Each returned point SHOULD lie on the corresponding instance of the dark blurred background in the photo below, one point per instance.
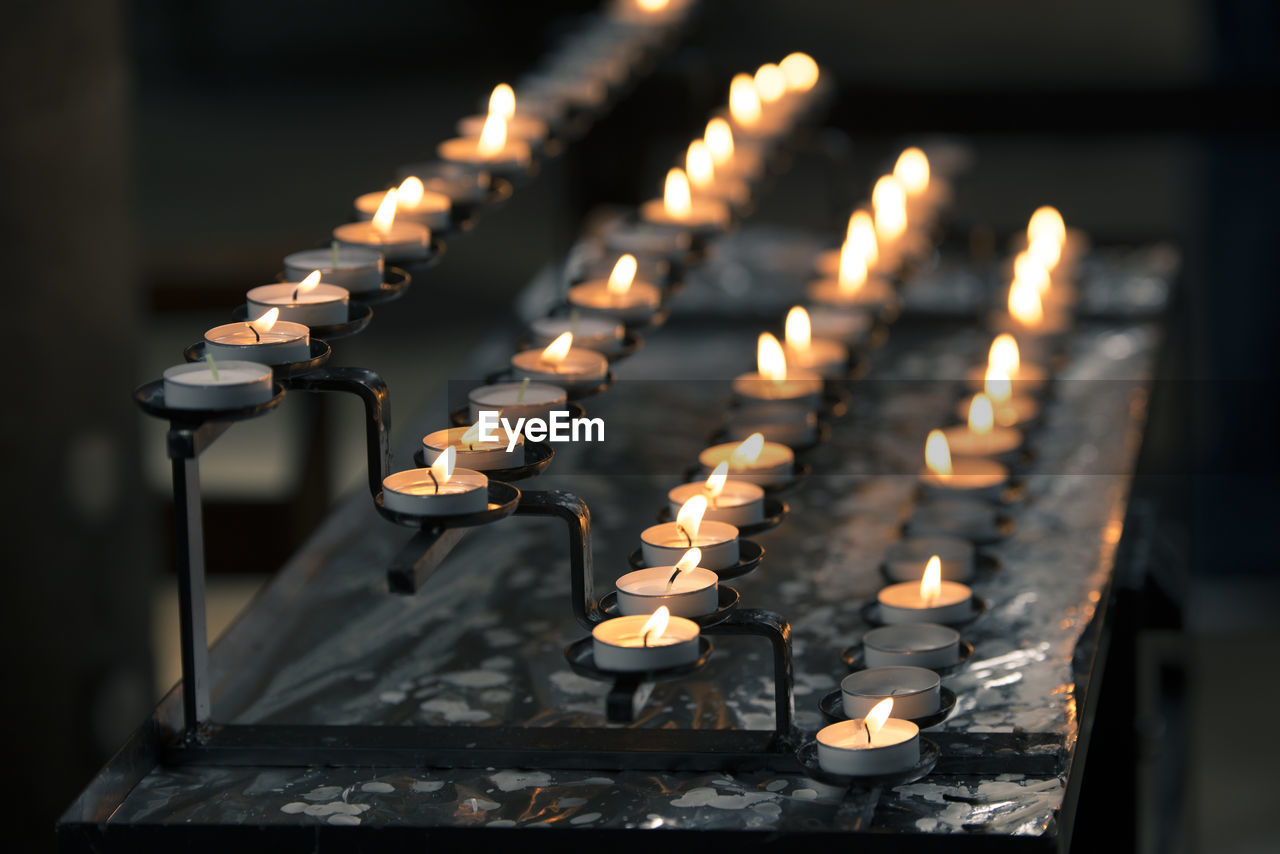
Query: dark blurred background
(157, 159)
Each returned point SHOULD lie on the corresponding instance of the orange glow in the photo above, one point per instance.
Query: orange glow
(493, 136)
(442, 468)
(623, 274)
(937, 454)
(931, 583)
(1003, 354)
(558, 349)
(716, 481)
(653, 6)
(385, 216)
(879, 713)
(744, 100)
(410, 192)
(502, 102)
(746, 454)
(676, 199)
(996, 384)
(770, 83)
(689, 519)
(982, 417)
(655, 625)
(861, 235)
(800, 71)
(689, 560)
(308, 284)
(912, 171)
(853, 270)
(799, 330)
(1046, 222)
(889, 203)
(471, 436)
(1025, 304)
(771, 361)
(700, 165)
(719, 139)
(266, 321)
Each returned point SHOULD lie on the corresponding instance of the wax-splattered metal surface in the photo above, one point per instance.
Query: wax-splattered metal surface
(481, 643)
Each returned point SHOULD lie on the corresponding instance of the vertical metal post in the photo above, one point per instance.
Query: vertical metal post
(189, 541)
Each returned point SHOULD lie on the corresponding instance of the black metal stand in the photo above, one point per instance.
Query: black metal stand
(373, 392)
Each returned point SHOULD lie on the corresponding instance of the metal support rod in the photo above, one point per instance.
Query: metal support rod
(758, 622)
(373, 391)
(577, 516)
(421, 557)
(189, 542)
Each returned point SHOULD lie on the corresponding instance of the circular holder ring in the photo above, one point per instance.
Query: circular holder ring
(750, 553)
(581, 658)
(775, 510)
(807, 756)
(395, 282)
(503, 499)
(150, 399)
(358, 316)
(728, 601)
(537, 456)
(320, 353)
(832, 707)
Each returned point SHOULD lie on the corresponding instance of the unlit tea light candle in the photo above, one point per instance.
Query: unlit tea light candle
(562, 364)
(310, 302)
(217, 385)
(517, 400)
(473, 452)
(926, 645)
(357, 269)
(686, 589)
(440, 490)
(876, 744)
(734, 501)
(916, 692)
(664, 544)
(641, 643)
(266, 339)
(931, 600)
(602, 334)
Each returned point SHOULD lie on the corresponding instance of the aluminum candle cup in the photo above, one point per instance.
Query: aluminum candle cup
(665, 544)
(1013, 411)
(237, 385)
(639, 303)
(905, 560)
(433, 210)
(972, 476)
(358, 270)
(913, 645)
(602, 334)
(848, 325)
(580, 368)
(402, 241)
(414, 493)
(739, 503)
(916, 692)
(972, 518)
(996, 442)
(843, 748)
(775, 464)
(514, 401)
(904, 603)
(322, 305)
(1030, 378)
(619, 646)
(282, 344)
(694, 593)
(478, 455)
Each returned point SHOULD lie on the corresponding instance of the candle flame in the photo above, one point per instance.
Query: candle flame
(385, 216)
(410, 192)
(744, 100)
(442, 468)
(689, 519)
(997, 385)
(1031, 269)
(700, 165)
(745, 455)
(1024, 303)
(502, 102)
(676, 201)
(771, 361)
(889, 203)
(655, 625)
(309, 283)
(799, 330)
(716, 481)
(1003, 354)
(861, 235)
(689, 560)
(652, 5)
(931, 582)
(472, 435)
(624, 273)
(770, 82)
(1046, 222)
(937, 454)
(1046, 252)
(719, 139)
(853, 270)
(876, 718)
(493, 136)
(800, 70)
(266, 321)
(982, 416)
(912, 171)
(558, 349)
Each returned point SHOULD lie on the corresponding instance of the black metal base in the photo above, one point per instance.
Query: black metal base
(832, 707)
(750, 553)
(537, 456)
(807, 756)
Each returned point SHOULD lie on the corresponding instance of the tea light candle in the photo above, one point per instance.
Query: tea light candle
(859, 239)
(217, 385)
(753, 460)
(733, 501)
(1027, 314)
(309, 302)
(728, 156)
(409, 241)
(774, 381)
(905, 560)
(932, 600)
(916, 692)
(493, 150)
(358, 270)
(440, 490)
(514, 401)
(590, 333)
(641, 643)
(960, 475)
(876, 744)
(826, 357)
(705, 181)
(679, 210)
(472, 451)
(981, 436)
(748, 116)
(1008, 409)
(853, 286)
(972, 518)
(666, 543)
(502, 101)
(621, 296)
(560, 363)
(267, 340)
(414, 203)
(465, 186)
(685, 589)
(911, 644)
(1004, 359)
(850, 326)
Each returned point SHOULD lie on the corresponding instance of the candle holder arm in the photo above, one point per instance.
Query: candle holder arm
(421, 557)
(758, 622)
(373, 392)
(577, 516)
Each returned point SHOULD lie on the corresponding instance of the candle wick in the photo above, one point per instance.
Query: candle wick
(867, 727)
(688, 539)
(644, 638)
(295, 295)
(573, 322)
(524, 385)
(213, 367)
(672, 579)
(431, 474)
(254, 330)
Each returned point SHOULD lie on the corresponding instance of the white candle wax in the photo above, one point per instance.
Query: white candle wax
(802, 387)
(522, 126)
(775, 464)
(512, 158)
(602, 334)
(1029, 378)
(414, 493)
(478, 455)
(1010, 412)
(969, 476)
(843, 748)
(408, 241)
(828, 358)
(432, 210)
(911, 644)
(916, 692)
(968, 517)
(282, 344)
(997, 441)
(904, 603)
(515, 400)
(664, 544)
(637, 303)
(322, 305)
(358, 270)
(875, 294)
(237, 384)
(692, 594)
(739, 503)
(905, 560)
(580, 368)
(705, 215)
(618, 645)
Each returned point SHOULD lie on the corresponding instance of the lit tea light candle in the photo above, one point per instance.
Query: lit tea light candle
(602, 334)
(493, 150)
(926, 645)
(472, 451)
(502, 102)
(1010, 410)
(266, 339)
(309, 302)
(931, 600)
(414, 203)
(860, 237)
(981, 436)
(876, 744)
(514, 401)
(889, 214)
(1026, 311)
(395, 239)
(753, 460)
(747, 113)
(1005, 358)
(945, 474)
(734, 501)
(560, 363)
(621, 296)
(1048, 240)
(665, 543)
(826, 357)
(638, 644)
(800, 72)
(770, 83)
(906, 559)
(440, 490)
(853, 287)
(354, 268)
(686, 589)
(916, 692)
(924, 192)
(729, 158)
(210, 384)
(705, 181)
(970, 517)
(678, 208)
(774, 381)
